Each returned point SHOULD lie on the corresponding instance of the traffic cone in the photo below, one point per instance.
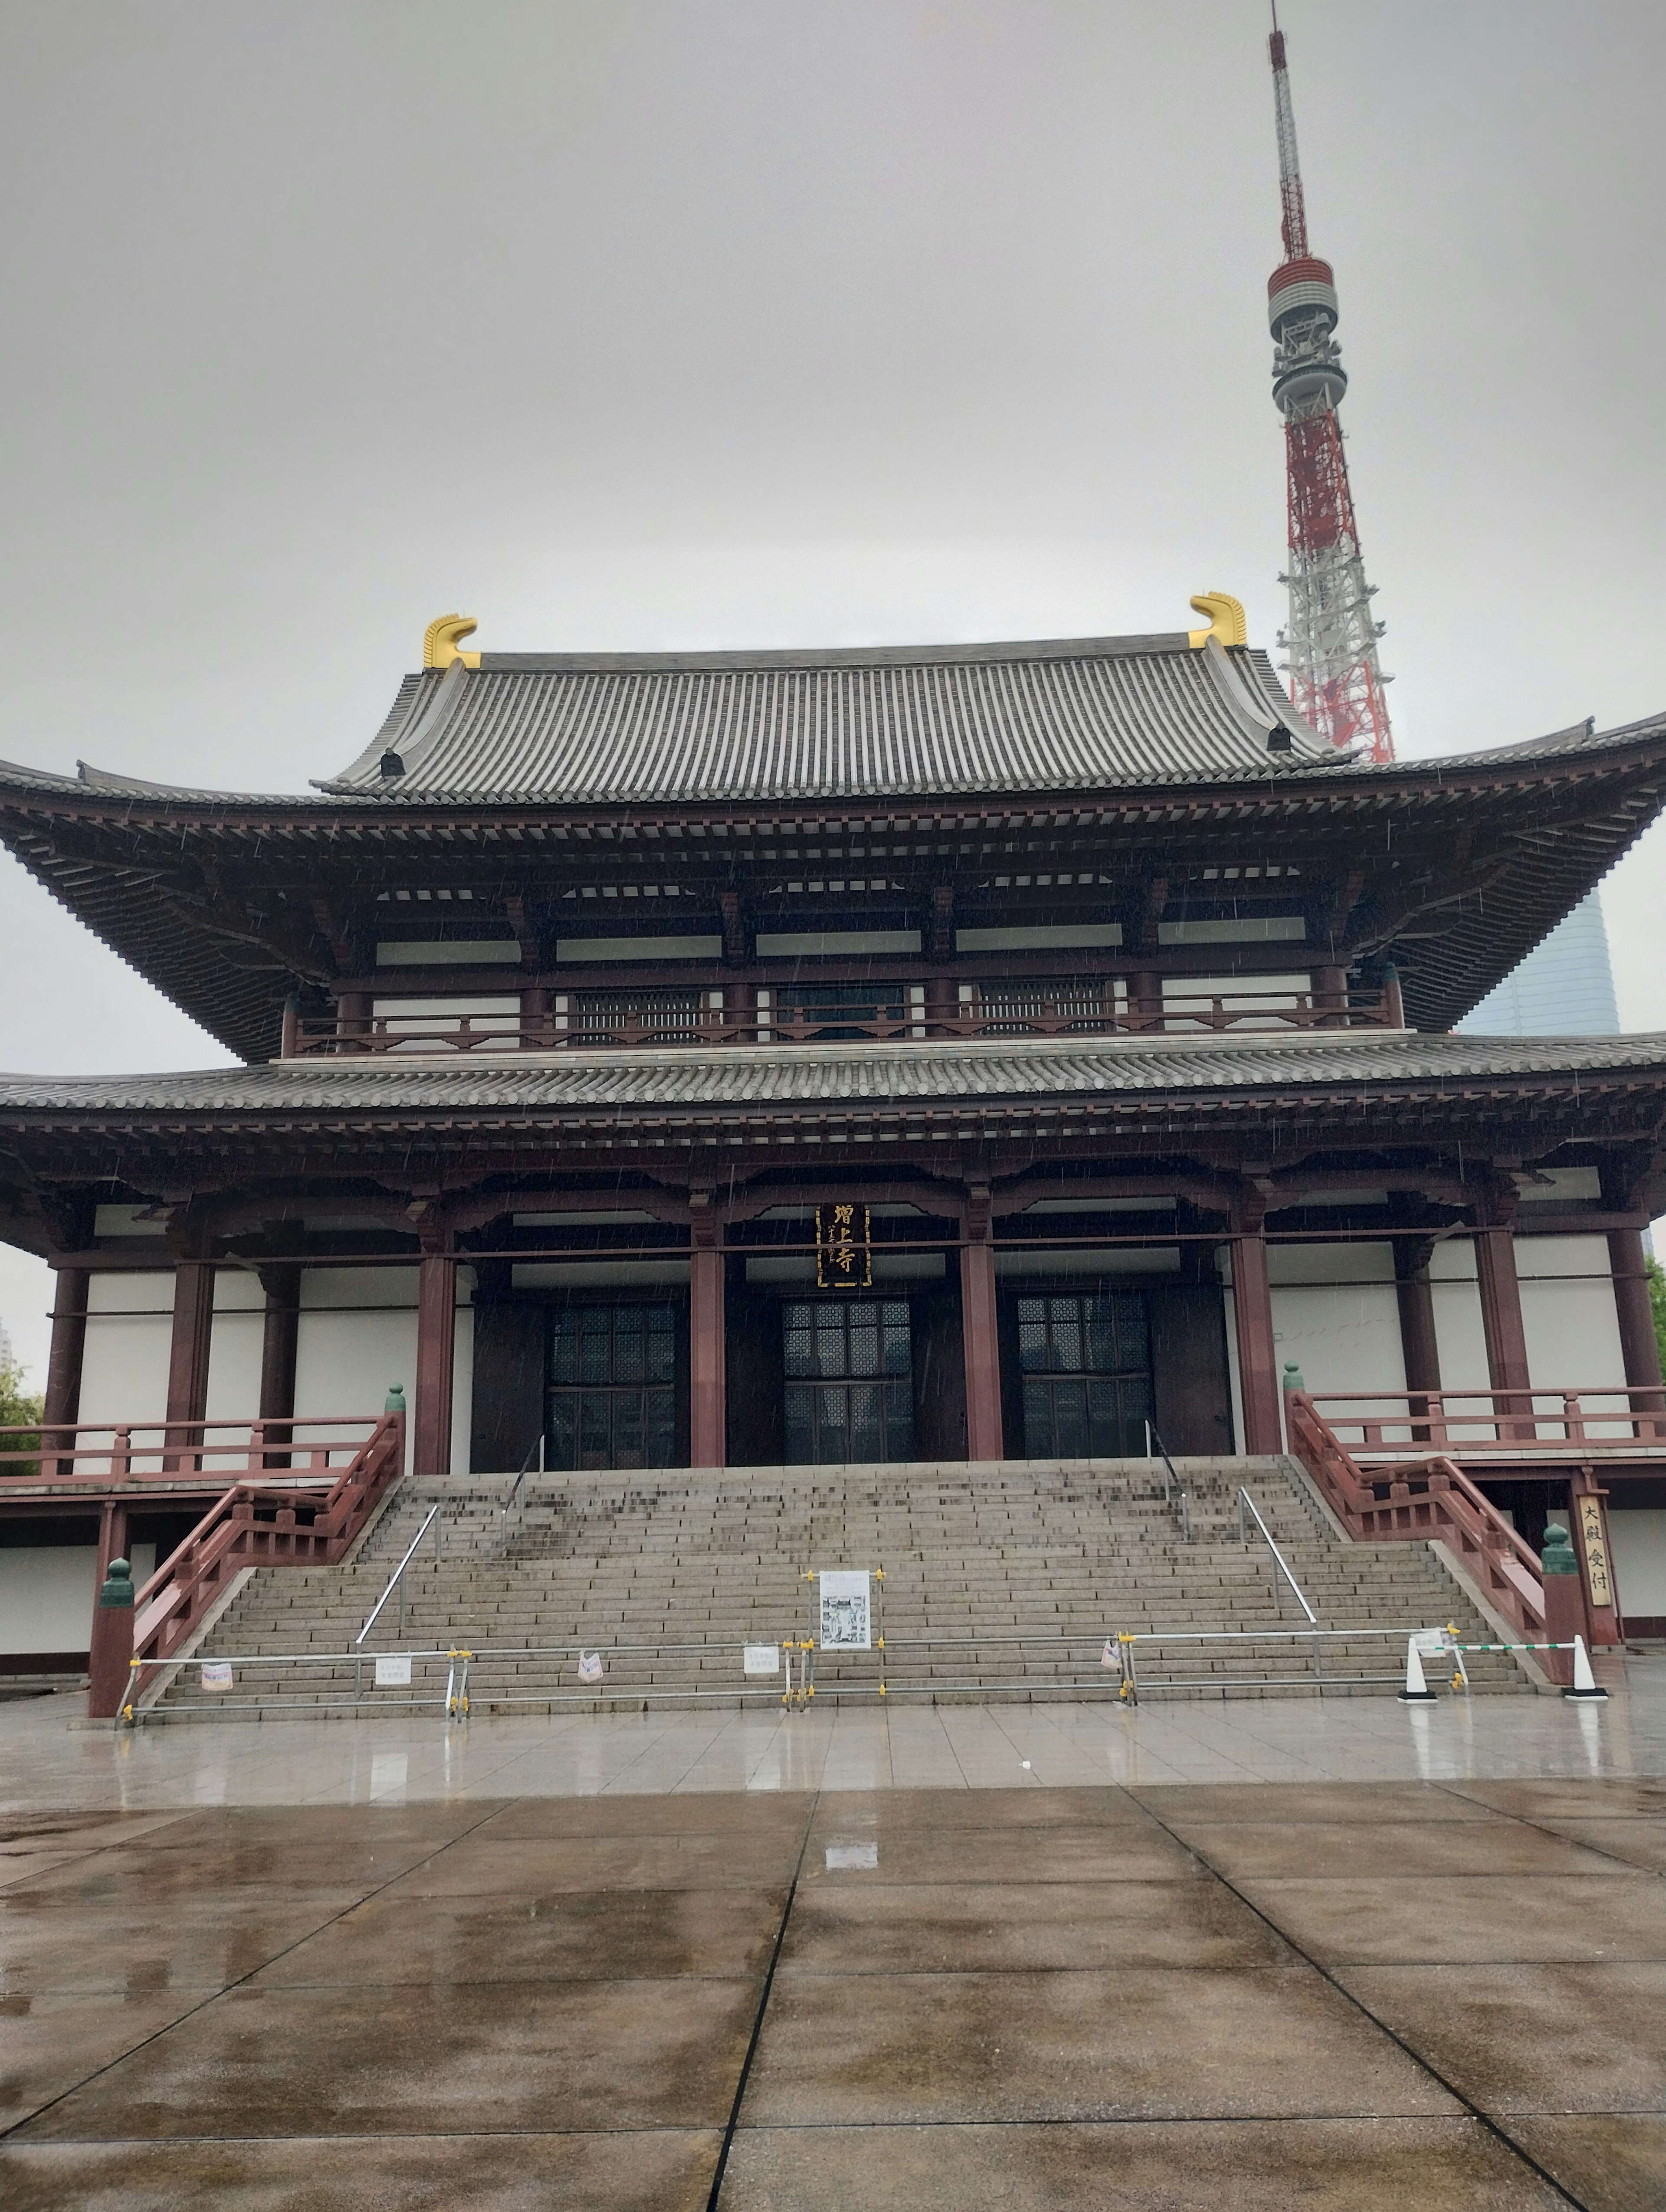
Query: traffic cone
(1585, 1684)
(1417, 1691)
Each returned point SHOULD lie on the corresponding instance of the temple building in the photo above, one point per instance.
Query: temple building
(899, 1056)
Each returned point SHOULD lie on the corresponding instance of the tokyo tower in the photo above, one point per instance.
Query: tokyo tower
(1335, 676)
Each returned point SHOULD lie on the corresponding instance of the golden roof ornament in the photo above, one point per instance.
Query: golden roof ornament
(1225, 620)
(440, 641)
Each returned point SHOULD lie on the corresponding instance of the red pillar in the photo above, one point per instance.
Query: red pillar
(188, 1352)
(1419, 1347)
(1501, 1322)
(436, 1344)
(1258, 1366)
(111, 1646)
(1638, 1345)
(707, 1406)
(985, 1439)
(67, 1355)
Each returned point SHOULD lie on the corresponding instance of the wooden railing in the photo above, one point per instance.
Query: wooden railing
(1419, 1501)
(106, 1453)
(864, 1019)
(1469, 1424)
(263, 1526)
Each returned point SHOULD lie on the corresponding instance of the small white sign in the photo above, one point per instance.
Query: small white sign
(590, 1667)
(1108, 1657)
(1431, 1643)
(393, 1670)
(216, 1674)
(759, 1659)
(846, 1858)
(847, 1621)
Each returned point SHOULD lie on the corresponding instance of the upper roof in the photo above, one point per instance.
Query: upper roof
(1032, 717)
(1061, 715)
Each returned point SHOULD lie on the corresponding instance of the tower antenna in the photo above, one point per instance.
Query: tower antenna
(1335, 676)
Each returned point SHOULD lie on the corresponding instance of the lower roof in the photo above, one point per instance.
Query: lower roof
(783, 1078)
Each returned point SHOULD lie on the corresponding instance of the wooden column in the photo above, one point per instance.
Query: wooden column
(436, 1344)
(1638, 1345)
(354, 1015)
(1419, 1347)
(1258, 1364)
(708, 1418)
(67, 1356)
(112, 1542)
(1501, 1314)
(1145, 999)
(984, 1437)
(188, 1352)
(1416, 1297)
(280, 1336)
(942, 1005)
(1330, 992)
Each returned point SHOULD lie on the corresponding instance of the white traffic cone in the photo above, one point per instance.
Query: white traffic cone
(1585, 1684)
(1417, 1691)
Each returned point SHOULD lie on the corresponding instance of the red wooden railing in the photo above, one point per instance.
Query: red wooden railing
(103, 1455)
(1421, 1500)
(263, 1526)
(1496, 1424)
(1069, 1014)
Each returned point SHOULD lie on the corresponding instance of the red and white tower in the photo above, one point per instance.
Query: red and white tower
(1335, 676)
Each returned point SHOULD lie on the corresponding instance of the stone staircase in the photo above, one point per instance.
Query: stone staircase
(999, 1581)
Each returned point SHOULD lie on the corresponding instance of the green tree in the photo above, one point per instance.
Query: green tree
(1658, 1306)
(18, 1410)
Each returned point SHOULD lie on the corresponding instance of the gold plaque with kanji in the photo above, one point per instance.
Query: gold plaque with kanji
(844, 1258)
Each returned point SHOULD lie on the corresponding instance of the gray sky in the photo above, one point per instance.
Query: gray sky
(648, 323)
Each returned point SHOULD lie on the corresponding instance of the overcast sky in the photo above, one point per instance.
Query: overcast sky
(654, 323)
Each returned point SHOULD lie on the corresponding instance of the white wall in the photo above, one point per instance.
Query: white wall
(1459, 1337)
(1336, 1313)
(1572, 1326)
(47, 1594)
(358, 1335)
(130, 1328)
(239, 1321)
(1639, 1538)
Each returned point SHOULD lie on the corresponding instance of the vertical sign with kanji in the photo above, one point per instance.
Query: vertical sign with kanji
(844, 1258)
(1596, 1552)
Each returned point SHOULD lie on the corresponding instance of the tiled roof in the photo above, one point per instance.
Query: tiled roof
(1079, 715)
(680, 1081)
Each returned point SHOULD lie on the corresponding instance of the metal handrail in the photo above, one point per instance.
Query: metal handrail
(1244, 1498)
(534, 1450)
(1170, 1481)
(397, 1580)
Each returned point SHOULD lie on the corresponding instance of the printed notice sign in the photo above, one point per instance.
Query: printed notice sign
(393, 1670)
(1596, 1551)
(759, 1659)
(847, 1619)
(216, 1674)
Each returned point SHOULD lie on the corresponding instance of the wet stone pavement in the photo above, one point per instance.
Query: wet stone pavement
(1334, 1994)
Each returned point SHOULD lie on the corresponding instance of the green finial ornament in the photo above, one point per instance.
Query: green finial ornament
(118, 1588)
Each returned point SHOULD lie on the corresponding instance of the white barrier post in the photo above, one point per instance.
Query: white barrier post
(1417, 1691)
(1585, 1684)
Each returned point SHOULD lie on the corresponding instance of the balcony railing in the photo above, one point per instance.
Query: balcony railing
(869, 1016)
(303, 1451)
(1491, 1424)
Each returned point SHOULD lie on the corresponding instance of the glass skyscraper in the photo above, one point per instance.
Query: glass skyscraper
(1564, 988)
